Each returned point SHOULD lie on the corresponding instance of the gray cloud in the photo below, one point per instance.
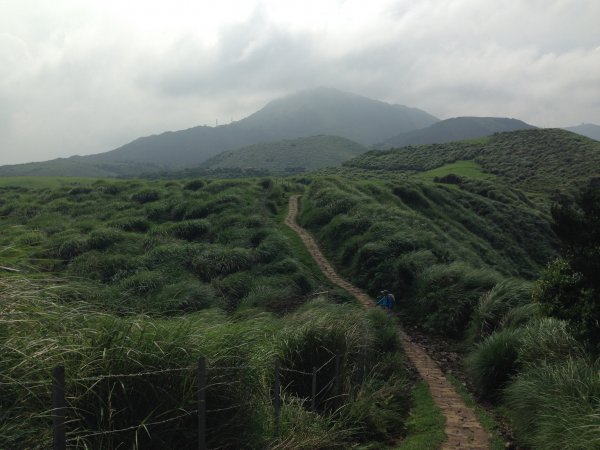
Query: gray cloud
(74, 80)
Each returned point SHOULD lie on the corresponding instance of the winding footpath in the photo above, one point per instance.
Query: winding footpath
(463, 430)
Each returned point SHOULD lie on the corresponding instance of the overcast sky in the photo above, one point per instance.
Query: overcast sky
(80, 77)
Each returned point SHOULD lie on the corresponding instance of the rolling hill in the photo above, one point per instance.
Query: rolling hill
(292, 155)
(455, 129)
(303, 114)
(537, 160)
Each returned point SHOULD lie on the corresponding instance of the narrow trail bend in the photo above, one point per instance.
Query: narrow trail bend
(463, 430)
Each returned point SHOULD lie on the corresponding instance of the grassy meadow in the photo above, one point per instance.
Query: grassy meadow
(128, 277)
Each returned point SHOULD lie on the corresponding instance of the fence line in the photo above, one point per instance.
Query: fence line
(59, 410)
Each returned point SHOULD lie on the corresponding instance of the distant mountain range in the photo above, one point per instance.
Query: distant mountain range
(291, 155)
(586, 129)
(306, 130)
(455, 129)
(321, 111)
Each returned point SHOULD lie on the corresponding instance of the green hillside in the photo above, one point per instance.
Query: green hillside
(293, 155)
(537, 161)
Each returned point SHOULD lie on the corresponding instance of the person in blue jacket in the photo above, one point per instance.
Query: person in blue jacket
(386, 300)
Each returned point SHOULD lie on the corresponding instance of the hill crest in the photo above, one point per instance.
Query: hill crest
(455, 129)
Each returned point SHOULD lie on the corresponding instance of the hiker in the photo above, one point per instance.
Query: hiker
(386, 300)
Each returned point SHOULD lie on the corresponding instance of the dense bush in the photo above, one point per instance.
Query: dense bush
(554, 405)
(494, 361)
(146, 196)
(494, 306)
(448, 294)
(570, 286)
(41, 332)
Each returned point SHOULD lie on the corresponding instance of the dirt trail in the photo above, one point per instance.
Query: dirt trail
(463, 430)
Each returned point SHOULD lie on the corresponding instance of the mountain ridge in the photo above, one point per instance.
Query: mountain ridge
(455, 129)
(302, 114)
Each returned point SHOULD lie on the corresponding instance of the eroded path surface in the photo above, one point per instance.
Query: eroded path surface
(463, 430)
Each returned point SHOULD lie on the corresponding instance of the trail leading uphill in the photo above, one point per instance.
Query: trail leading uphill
(463, 430)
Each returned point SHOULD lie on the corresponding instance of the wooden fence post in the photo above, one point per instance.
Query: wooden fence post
(201, 374)
(59, 406)
(313, 402)
(336, 381)
(277, 397)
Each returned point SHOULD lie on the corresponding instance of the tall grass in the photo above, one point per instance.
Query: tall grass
(39, 331)
(555, 405)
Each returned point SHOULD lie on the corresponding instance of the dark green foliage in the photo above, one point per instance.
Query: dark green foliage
(570, 286)
(134, 224)
(102, 238)
(219, 261)
(102, 266)
(494, 306)
(146, 196)
(189, 229)
(448, 294)
(554, 406)
(194, 185)
(494, 361)
(547, 340)
(71, 247)
(451, 178)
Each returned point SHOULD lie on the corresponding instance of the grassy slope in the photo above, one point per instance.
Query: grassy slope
(538, 161)
(519, 358)
(296, 154)
(462, 168)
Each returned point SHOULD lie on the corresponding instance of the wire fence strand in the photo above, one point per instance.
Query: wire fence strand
(133, 427)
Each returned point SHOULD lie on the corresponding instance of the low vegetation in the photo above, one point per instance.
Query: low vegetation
(128, 283)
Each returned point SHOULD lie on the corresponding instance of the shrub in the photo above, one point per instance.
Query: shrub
(146, 196)
(186, 297)
(71, 247)
(103, 267)
(494, 361)
(103, 238)
(190, 229)
(219, 261)
(179, 254)
(450, 178)
(143, 282)
(136, 224)
(496, 303)
(194, 185)
(520, 315)
(447, 295)
(547, 339)
(554, 406)
(160, 211)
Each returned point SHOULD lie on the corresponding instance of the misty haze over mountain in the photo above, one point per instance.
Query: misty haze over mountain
(87, 77)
